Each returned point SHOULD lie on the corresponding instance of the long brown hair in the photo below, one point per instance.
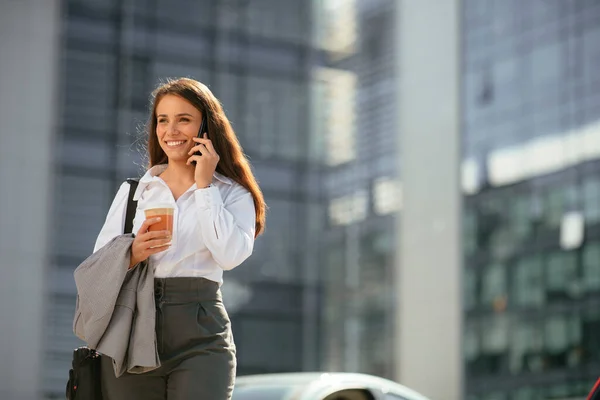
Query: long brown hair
(232, 162)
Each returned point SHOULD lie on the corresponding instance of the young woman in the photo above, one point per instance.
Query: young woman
(218, 212)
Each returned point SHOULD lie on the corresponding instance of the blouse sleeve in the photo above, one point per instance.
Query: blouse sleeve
(229, 235)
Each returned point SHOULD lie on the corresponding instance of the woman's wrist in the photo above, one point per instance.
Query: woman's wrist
(132, 262)
(203, 185)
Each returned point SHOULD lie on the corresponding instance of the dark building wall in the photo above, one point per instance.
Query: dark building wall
(531, 130)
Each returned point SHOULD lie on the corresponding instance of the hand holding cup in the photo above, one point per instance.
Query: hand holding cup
(154, 236)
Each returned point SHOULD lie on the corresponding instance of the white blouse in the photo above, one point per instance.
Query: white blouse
(213, 228)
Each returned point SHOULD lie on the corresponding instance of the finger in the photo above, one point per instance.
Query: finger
(201, 148)
(193, 158)
(155, 235)
(146, 224)
(158, 249)
(204, 140)
(157, 243)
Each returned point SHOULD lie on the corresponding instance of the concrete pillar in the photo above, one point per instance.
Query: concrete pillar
(29, 57)
(428, 352)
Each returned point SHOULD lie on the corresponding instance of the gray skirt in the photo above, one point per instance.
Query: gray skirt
(195, 345)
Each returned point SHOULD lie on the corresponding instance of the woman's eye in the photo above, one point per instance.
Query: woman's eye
(184, 119)
(160, 121)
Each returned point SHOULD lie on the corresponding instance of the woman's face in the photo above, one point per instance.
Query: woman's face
(177, 123)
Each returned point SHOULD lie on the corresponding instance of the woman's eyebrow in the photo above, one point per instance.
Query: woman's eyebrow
(178, 115)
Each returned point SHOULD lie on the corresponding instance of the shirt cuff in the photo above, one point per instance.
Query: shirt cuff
(208, 197)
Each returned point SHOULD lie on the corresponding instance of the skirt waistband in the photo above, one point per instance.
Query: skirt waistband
(186, 289)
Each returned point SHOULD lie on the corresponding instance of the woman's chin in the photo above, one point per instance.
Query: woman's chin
(177, 159)
(177, 155)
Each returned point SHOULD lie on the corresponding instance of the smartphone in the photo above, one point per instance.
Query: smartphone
(203, 128)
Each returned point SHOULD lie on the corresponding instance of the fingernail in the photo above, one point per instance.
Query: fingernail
(157, 219)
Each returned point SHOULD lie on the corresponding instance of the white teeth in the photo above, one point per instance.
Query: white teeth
(173, 144)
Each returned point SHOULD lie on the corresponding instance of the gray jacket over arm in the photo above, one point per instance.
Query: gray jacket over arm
(115, 312)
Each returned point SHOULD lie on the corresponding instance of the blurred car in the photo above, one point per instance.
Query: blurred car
(320, 386)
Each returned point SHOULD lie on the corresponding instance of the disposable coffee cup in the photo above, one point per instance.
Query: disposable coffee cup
(165, 212)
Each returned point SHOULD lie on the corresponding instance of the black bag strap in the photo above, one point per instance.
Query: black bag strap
(131, 205)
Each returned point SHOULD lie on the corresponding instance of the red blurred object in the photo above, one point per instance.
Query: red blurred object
(595, 393)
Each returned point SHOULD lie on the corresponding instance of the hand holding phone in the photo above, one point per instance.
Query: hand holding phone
(203, 128)
(205, 163)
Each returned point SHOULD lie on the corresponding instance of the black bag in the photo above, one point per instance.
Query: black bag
(85, 374)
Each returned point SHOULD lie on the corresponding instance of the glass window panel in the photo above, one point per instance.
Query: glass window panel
(556, 332)
(197, 12)
(470, 288)
(521, 214)
(495, 334)
(561, 272)
(470, 232)
(292, 125)
(58, 319)
(97, 32)
(507, 79)
(526, 393)
(262, 341)
(471, 342)
(273, 121)
(544, 11)
(228, 90)
(493, 288)
(591, 200)
(545, 64)
(591, 267)
(559, 391)
(591, 55)
(276, 258)
(555, 201)
(528, 282)
(76, 153)
(169, 45)
(526, 344)
(89, 91)
(82, 204)
(505, 18)
(162, 70)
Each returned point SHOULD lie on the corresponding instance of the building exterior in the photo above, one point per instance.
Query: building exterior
(256, 57)
(356, 109)
(531, 210)
(28, 69)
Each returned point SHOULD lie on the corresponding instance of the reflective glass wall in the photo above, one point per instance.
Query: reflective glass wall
(531, 147)
(355, 82)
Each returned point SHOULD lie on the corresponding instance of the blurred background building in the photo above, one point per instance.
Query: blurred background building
(311, 87)
(257, 58)
(532, 208)
(356, 106)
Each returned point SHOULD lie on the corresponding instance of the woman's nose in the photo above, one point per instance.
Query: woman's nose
(172, 129)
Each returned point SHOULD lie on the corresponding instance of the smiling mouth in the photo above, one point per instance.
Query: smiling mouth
(174, 143)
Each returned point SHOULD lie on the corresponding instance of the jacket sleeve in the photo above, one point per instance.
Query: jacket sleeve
(115, 219)
(98, 280)
(229, 233)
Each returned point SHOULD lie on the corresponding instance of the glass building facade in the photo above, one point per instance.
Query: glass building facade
(257, 58)
(531, 168)
(356, 82)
